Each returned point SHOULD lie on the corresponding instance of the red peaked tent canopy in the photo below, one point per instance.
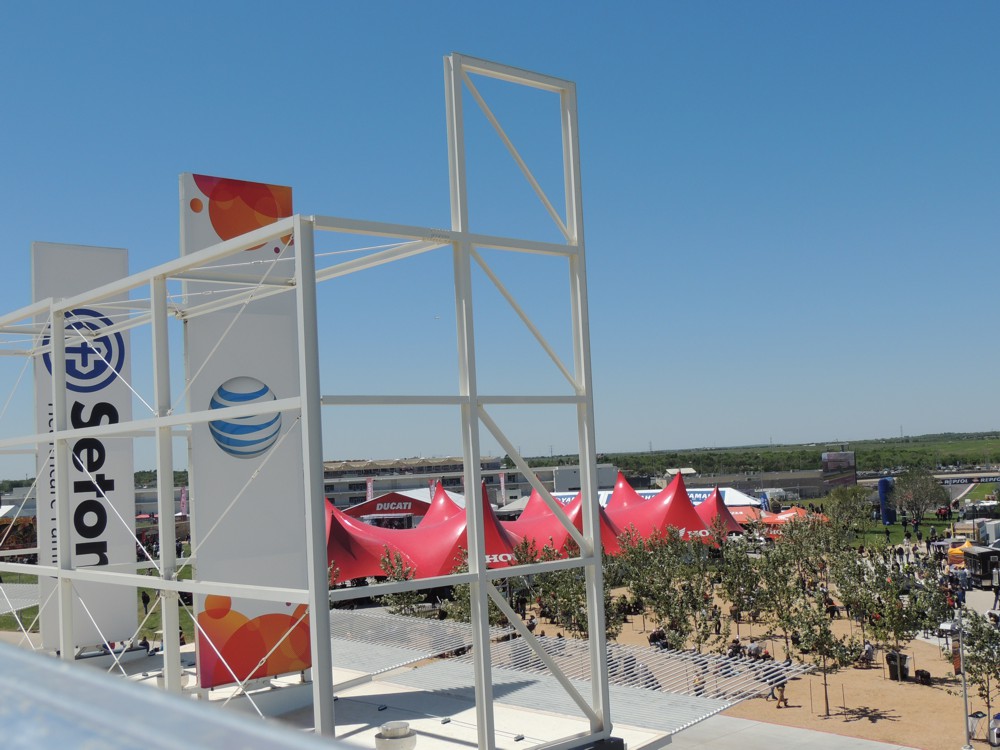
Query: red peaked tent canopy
(535, 508)
(792, 514)
(441, 508)
(547, 530)
(713, 508)
(542, 526)
(745, 514)
(391, 504)
(356, 549)
(670, 507)
(353, 554)
(623, 501)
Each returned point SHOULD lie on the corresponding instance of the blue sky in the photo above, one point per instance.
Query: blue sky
(791, 209)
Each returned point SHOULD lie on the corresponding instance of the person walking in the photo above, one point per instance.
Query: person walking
(145, 603)
(779, 691)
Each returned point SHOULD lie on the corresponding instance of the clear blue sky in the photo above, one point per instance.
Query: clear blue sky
(792, 209)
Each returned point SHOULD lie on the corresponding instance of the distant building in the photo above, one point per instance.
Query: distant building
(345, 483)
(795, 484)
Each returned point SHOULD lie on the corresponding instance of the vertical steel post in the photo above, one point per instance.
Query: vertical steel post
(165, 486)
(594, 573)
(965, 687)
(312, 478)
(468, 388)
(60, 457)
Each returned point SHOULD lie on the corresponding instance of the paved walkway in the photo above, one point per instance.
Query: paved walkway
(724, 731)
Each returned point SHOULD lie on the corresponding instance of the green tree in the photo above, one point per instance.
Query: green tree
(741, 581)
(896, 617)
(982, 656)
(917, 492)
(850, 513)
(827, 651)
(459, 607)
(396, 568)
(673, 579)
(780, 590)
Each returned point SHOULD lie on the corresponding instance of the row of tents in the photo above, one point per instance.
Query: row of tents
(437, 546)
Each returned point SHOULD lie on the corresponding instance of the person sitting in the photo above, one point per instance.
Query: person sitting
(144, 643)
(832, 610)
(867, 657)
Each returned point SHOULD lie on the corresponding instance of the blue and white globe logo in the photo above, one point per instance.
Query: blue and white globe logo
(244, 437)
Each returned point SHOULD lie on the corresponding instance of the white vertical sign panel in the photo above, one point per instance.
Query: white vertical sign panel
(102, 500)
(259, 539)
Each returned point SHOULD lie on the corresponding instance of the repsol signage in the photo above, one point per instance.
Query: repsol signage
(970, 480)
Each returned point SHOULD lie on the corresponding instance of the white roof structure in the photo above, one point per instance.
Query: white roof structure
(51, 703)
(426, 495)
(731, 497)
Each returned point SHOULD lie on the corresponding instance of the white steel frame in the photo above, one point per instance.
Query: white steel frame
(464, 244)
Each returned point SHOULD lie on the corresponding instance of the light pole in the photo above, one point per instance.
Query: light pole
(965, 686)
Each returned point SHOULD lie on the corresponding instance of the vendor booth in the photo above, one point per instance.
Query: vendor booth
(981, 562)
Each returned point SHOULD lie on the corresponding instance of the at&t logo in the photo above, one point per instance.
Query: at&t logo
(244, 437)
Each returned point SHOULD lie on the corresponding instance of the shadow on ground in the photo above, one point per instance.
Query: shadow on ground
(873, 715)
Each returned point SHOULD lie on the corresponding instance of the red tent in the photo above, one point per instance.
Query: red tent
(609, 534)
(535, 508)
(392, 504)
(745, 514)
(670, 507)
(441, 508)
(352, 552)
(540, 524)
(795, 513)
(356, 549)
(545, 529)
(713, 508)
(623, 501)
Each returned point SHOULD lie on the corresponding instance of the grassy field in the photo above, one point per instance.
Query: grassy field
(897, 534)
(980, 492)
(967, 450)
(152, 623)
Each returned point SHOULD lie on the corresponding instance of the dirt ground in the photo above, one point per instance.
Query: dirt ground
(864, 702)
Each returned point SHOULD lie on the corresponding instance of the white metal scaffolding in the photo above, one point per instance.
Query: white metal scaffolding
(157, 310)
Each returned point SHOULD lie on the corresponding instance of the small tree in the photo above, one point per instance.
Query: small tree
(564, 593)
(460, 606)
(827, 651)
(850, 513)
(396, 568)
(895, 618)
(780, 591)
(917, 491)
(741, 581)
(982, 657)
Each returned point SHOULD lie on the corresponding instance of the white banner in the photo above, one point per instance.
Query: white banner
(240, 356)
(101, 472)
(370, 489)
